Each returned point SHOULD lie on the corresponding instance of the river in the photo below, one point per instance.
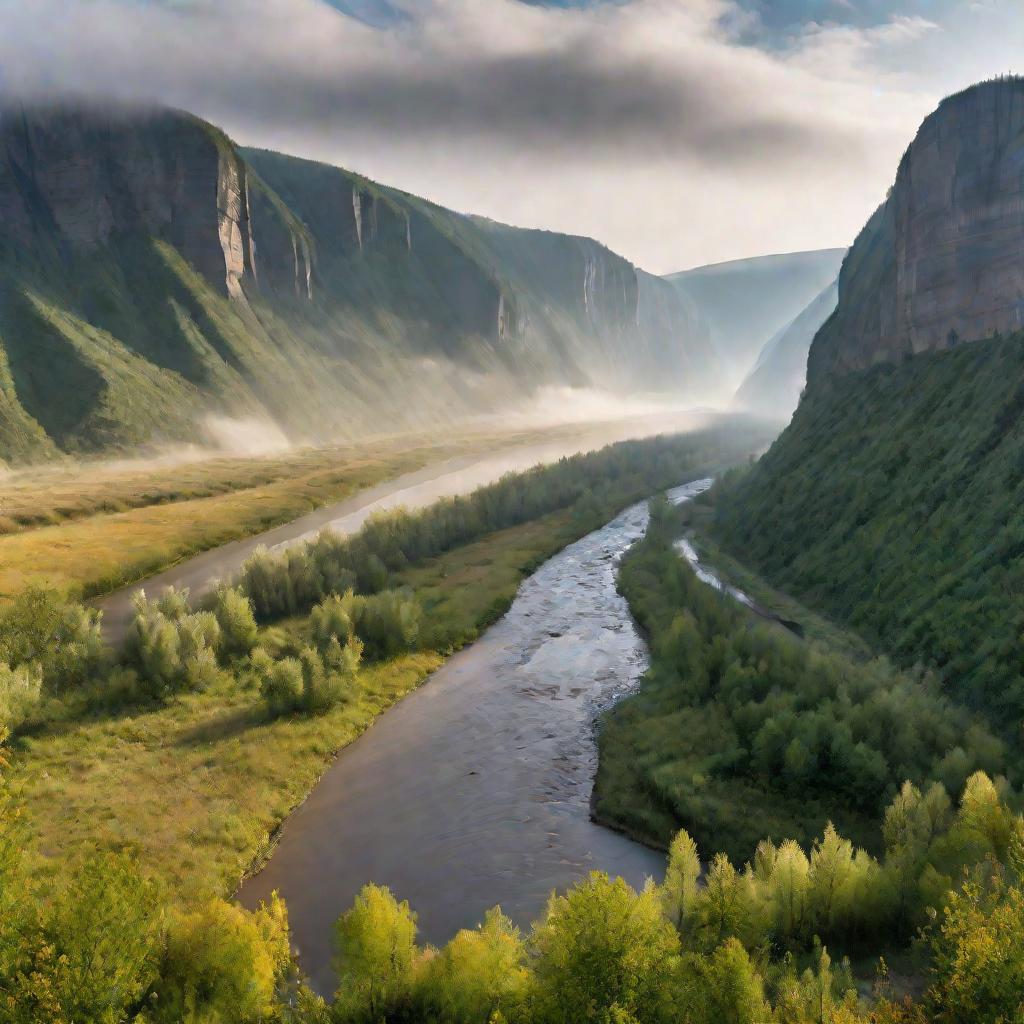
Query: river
(475, 790)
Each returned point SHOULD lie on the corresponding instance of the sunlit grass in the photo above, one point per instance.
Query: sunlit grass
(198, 787)
(91, 528)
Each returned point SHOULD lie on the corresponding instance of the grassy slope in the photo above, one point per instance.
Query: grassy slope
(892, 503)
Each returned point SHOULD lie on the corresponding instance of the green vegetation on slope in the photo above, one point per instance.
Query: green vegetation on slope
(153, 275)
(892, 503)
(740, 731)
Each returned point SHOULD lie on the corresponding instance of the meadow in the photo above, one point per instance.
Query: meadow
(89, 527)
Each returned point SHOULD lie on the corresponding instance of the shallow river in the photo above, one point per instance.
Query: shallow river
(475, 789)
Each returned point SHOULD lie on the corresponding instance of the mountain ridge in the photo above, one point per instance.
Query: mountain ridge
(746, 301)
(153, 274)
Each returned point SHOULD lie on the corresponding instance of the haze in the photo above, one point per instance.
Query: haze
(679, 132)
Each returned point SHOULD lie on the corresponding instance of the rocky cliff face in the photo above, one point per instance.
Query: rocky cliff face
(73, 180)
(152, 274)
(940, 263)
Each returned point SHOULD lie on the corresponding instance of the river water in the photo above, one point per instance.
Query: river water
(475, 790)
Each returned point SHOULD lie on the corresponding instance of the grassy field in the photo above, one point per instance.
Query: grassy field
(198, 787)
(89, 528)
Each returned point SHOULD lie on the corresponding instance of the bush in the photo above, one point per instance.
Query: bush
(64, 640)
(387, 623)
(329, 680)
(238, 629)
(20, 694)
(283, 687)
(172, 647)
(332, 619)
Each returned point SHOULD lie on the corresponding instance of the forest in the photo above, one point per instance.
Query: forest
(741, 730)
(744, 947)
(758, 912)
(891, 504)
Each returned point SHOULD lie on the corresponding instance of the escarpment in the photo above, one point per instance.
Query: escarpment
(939, 263)
(153, 274)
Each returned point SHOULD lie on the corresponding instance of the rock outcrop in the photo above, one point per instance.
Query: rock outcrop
(941, 262)
(153, 273)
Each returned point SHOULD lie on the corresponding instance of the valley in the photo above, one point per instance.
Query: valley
(412, 618)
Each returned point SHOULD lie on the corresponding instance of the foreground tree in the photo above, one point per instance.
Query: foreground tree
(376, 943)
(604, 947)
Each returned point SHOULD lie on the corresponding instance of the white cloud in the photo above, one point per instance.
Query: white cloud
(656, 126)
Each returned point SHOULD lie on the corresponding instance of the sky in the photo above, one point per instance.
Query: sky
(678, 132)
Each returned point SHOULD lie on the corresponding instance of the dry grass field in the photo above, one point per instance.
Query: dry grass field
(84, 529)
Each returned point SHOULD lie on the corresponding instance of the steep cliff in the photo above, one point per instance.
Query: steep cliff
(939, 262)
(153, 274)
(892, 500)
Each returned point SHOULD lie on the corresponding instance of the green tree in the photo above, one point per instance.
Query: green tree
(376, 955)
(600, 946)
(104, 932)
(722, 987)
(479, 973)
(977, 951)
(223, 964)
(680, 889)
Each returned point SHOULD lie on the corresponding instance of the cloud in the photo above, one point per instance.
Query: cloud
(748, 126)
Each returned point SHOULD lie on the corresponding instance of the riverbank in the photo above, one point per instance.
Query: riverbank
(199, 787)
(742, 731)
(475, 790)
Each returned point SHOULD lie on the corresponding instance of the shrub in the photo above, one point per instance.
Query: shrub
(20, 694)
(388, 623)
(172, 648)
(237, 622)
(331, 620)
(64, 640)
(282, 687)
(329, 680)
